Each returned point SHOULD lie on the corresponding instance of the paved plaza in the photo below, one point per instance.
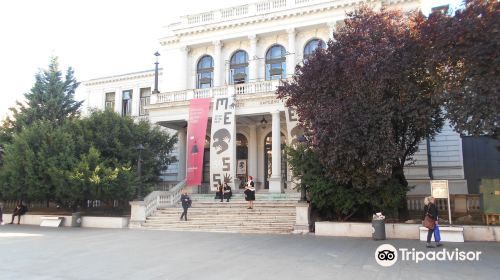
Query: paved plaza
(31, 252)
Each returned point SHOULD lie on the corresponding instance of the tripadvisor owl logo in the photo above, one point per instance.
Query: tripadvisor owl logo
(386, 255)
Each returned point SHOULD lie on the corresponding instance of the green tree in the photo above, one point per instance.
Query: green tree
(337, 200)
(51, 99)
(36, 162)
(93, 178)
(116, 138)
(51, 154)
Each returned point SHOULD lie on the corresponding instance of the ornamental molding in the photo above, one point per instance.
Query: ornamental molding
(124, 77)
(272, 16)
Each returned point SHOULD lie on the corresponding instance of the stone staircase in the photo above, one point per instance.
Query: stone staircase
(272, 213)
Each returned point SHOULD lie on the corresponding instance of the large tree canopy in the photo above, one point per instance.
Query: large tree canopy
(367, 100)
(51, 154)
(466, 50)
(89, 158)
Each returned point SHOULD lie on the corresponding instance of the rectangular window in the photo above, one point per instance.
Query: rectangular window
(441, 9)
(145, 100)
(127, 103)
(110, 101)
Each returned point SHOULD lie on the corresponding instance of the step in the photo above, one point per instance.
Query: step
(224, 227)
(227, 211)
(226, 231)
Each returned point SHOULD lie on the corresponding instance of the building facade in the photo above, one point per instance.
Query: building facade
(243, 52)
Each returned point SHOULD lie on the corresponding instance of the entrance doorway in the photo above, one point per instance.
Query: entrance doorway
(268, 159)
(241, 159)
(206, 162)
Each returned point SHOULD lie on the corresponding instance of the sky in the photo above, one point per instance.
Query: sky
(97, 38)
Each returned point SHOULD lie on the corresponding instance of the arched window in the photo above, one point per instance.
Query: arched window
(205, 72)
(238, 68)
(276, 63)
(312, 46)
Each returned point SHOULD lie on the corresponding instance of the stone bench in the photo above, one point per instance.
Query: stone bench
(448, 234)
(51, 221)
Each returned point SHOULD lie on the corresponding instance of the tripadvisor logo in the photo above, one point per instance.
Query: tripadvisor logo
(387, 255)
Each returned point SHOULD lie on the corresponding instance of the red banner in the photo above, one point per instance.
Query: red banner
(197, 129)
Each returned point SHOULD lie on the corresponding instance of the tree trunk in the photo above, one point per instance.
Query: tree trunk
(398, 174)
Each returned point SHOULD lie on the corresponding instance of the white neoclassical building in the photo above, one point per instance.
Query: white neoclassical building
(242, 53)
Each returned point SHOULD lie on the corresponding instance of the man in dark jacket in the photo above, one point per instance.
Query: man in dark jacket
(18, 211)
(186, 203)
(227, 192)
(432, 212)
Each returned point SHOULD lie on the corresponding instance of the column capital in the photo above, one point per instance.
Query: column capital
(217, 43)
(185, 49)
(253, 37)
(275, 112)
(290, 31)
(332, 24)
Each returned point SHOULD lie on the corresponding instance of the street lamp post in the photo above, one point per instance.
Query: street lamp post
(157, 54)
(139, 148)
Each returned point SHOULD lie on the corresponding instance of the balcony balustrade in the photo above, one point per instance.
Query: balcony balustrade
(240, 90)
(253, 9)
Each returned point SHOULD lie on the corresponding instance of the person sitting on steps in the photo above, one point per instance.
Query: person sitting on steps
(220, 192)
(227, 192)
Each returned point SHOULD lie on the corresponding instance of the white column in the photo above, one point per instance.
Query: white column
(275, 185)
(118, 101)
(332, 26)
(181, 168)
(252, 57)
(218, 63)
(290, 60)
(183, 67)
(136, 95)
(252, 151)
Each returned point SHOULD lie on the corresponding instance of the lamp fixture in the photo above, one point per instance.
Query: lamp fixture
(263, 123)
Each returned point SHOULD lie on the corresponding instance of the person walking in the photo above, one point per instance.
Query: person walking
(250, 192)
(186, 203)
(18, 211)
(431, 220)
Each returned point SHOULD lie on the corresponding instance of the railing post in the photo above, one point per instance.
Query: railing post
(190, 94)
(137, 214)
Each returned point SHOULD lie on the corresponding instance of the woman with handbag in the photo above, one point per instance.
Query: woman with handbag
(430, 220)
(250, 192)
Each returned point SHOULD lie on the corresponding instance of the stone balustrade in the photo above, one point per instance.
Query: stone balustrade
(262, 87)
(140, 210)
(252, 9)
